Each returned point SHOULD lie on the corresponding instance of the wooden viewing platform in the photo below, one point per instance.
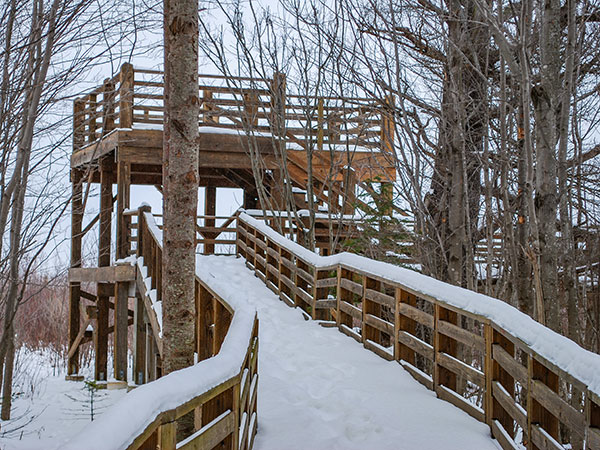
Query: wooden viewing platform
(468, 358)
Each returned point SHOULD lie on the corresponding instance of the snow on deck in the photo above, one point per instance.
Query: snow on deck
(319, 389)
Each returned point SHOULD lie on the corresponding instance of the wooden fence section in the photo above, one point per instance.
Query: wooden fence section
(224, 415)
(465, 358)
(135, 97)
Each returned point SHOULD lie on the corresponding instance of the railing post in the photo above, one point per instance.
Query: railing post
(387, 125)
(92, 118)
(204, 318)
(251, 109)
(488, 333)
(108, 107)
(126, 96)
(320, 122)
(168, 436)
(537, 415)
(207, 116)
(278, 99)
(593, 420)
(78, 124)
(445, 344)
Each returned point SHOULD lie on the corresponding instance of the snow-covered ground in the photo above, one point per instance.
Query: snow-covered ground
(47, 409)
(319, 389)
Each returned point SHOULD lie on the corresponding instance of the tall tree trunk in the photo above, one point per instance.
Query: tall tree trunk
(546, 98)
(180, 175)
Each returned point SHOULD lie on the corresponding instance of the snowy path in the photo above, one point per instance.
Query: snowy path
(319, 389)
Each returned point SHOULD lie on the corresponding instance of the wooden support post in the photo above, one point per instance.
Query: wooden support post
(104, 240)
(320, 123)
(278, 101)
(370, 308)
(443, 344)
(320, 293)
(388, 125)
(278, 191)
(210, 209)
(204, 329)
(150, 352)
(168, 436)
(78, 124)
(207, 116)
(126, 96)
(349, 190)
(537, 415)
(499, 374)
(250, 199)
(75, 288)
(250, 109)
(123, 185)
(120, 338)
(92, 118)
(222, 318)
(404, 324)
(344, 295)
(139, 342)
(108, 107)
(593, 420)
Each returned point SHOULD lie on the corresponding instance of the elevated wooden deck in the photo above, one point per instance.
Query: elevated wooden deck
(121, 123)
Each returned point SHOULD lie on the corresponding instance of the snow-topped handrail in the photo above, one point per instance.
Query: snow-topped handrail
(222, 386)
(477, 352)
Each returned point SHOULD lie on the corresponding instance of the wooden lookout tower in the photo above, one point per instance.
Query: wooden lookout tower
(252, 132)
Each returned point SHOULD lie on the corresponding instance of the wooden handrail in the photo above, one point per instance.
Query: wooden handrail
(479, 353)
(355, 120)
(221, 390)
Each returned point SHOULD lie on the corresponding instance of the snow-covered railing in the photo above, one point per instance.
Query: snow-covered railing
(532, 386)
(220, 390)
(135, 98)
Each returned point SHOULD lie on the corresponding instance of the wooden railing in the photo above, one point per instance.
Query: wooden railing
(478, 353)
(216, 235)
(135, 98)
(221, 390)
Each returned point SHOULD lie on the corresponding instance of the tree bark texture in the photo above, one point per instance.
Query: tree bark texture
(180, 175)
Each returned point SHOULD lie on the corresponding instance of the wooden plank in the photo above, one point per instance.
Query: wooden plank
(416, 314)
(460, 368)
(503, 438)
(452, 397)
(370, 345)
(380, 324)
(593, 438)
(509, 404)
(326, 304)
(416, 344)
(326, 282)
(351, 286)
(461, 335)
(109, 274)
(352, 310)
(511, 365)
(418, 375)
(558, 407)
(75, 345)
(379, 297)
(211, 434)
(543, 440)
